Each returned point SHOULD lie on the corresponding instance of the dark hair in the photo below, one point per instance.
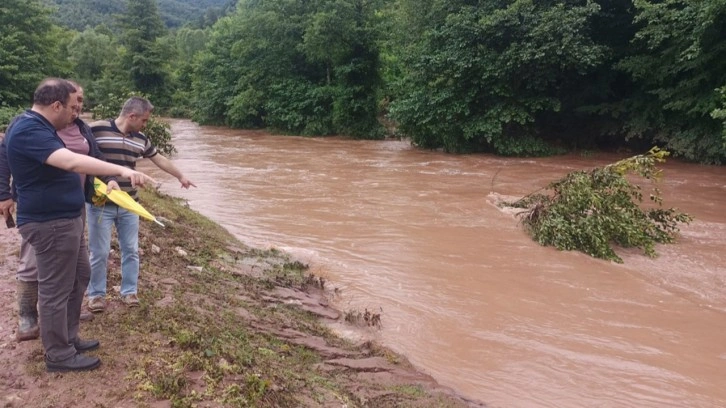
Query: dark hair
(75, 84)
(52, 90)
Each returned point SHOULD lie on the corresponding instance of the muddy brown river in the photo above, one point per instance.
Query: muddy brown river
(464, 293)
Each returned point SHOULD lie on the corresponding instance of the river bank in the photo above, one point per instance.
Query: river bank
(464, 293)
(221, 324)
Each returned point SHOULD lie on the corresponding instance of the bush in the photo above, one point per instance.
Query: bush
(6, 115)
(589, 211)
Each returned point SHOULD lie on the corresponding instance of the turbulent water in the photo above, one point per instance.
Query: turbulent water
(464, 293)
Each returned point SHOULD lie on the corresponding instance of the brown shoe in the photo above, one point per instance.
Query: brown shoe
(26, 332)
(130, 300)
(97, 304)
(87, 316)
(27, 297)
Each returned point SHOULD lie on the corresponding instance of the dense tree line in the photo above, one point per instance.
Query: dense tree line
(82, 14)
(513, 77)
(297, 66)
(519, 77)
(31, 47)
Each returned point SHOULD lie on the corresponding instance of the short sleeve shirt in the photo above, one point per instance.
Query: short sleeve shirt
(44, 192)
(122, 149)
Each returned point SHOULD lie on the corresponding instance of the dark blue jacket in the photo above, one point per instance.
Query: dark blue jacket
(7, 191)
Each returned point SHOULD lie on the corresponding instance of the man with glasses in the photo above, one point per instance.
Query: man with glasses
(78, 138)
(50, 202)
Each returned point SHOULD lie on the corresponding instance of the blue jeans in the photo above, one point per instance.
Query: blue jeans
(100, 221)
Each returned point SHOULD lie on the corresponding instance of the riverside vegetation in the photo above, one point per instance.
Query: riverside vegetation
(222, 324)
(513, 78)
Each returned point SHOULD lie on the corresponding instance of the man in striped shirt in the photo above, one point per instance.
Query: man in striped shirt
(122, 143)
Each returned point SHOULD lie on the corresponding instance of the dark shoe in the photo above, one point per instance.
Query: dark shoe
(78, 362)
(87, 316)
(86, 345)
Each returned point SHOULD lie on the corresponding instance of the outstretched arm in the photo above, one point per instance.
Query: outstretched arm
(78, 163)
(169, 167)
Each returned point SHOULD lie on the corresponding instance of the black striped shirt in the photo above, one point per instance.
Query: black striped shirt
(121, 149)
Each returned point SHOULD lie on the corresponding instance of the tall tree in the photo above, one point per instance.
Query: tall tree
(188, 42)
(97, 63)
(678, 63)
(307, 67)
(481, 74)
(145, 59)
(31, 48)
(89, 52)
(82, 14)
(215, 75)
(588, 116)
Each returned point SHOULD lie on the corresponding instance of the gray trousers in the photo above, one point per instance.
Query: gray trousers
(63, 274)
(27, 267)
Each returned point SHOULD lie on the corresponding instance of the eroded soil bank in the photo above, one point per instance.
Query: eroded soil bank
(221, 324)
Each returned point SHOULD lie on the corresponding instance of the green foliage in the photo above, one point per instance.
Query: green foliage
(156, 129)
(720, 114)
(515, 77)
(146, 58)
(90, 52)
(6, 115)
(188, 43)
(31, 48)
(83, 14)
(589, 211)
(160, 134)
(177, 13)
(480, 75)
(95, 57)
(496, 76)
(298, 67)
(214, 81)
(297, 107)
(168, 384)
(677, 62)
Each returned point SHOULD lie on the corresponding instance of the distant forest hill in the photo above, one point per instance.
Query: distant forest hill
(82, 14)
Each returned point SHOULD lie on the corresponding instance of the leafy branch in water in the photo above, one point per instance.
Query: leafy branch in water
(590, 211)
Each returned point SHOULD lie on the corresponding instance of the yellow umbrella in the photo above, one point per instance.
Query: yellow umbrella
(121, 198)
